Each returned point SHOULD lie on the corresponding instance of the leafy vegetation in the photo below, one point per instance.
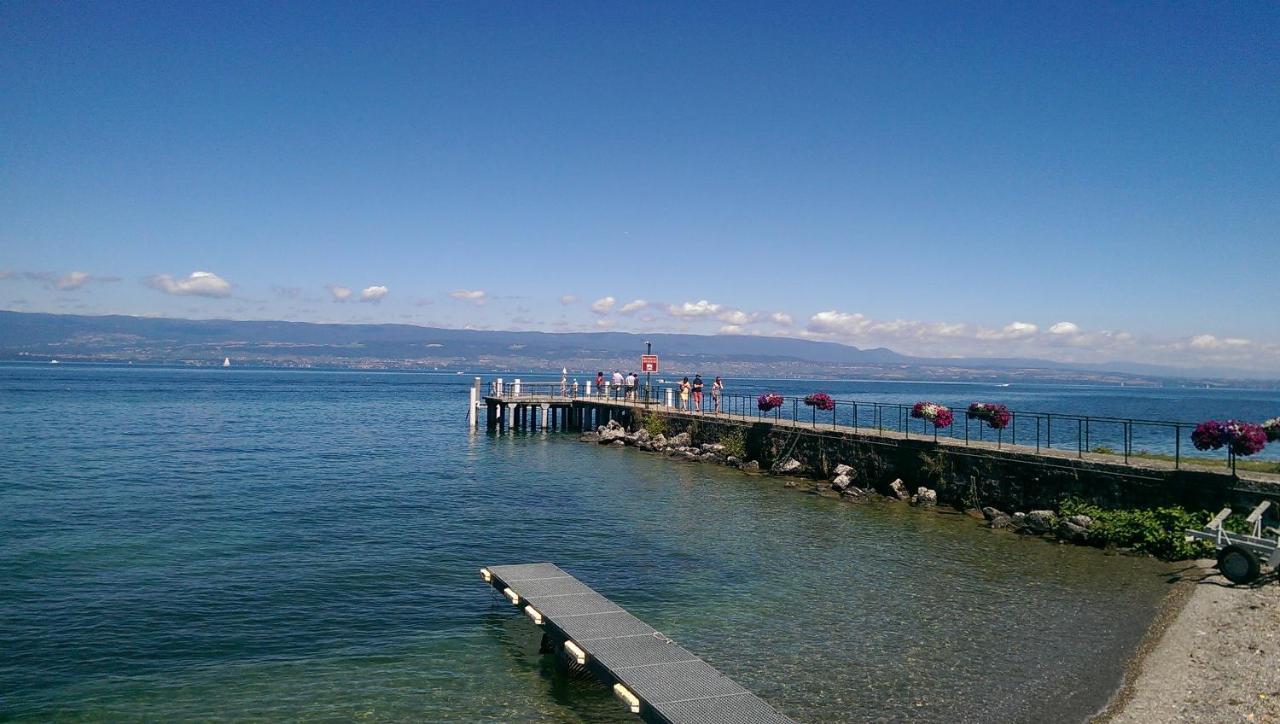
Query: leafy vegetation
(654, 424)
(735, 443)
(1160, 532)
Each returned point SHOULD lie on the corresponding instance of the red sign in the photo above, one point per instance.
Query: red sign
(648, 363)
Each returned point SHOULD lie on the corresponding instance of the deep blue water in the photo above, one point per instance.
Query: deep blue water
(267, 545)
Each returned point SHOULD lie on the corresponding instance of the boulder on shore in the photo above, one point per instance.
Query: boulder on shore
(843, 469)
(681, 440)
(1041, 521)
(925, 497)
(842, 481)
(790, 466)
(750, 466)
(899, 490)
(590, 437)
(1074, 529)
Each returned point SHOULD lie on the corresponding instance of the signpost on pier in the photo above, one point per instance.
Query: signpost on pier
(648, 365)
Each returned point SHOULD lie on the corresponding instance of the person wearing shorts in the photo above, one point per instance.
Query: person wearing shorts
(697, 393)
(717, 388)
(684, 394)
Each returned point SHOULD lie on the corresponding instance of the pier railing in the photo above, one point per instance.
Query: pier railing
(1126, 438)
(1081, 434)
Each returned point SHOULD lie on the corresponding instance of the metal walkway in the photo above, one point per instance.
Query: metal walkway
(657, 678)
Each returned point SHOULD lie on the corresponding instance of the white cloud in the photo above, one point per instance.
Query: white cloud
(731, 329)
(736, 317)
(700, 308)
(339, 293)
(605, 323)
(1013, 330)
(374, 293)
(73, 280)
(1064, 328)
(198, 284)
(782, 318)
(633, 306)
(475, 296)
(568, 299)
(1209, 341)
(603, 305)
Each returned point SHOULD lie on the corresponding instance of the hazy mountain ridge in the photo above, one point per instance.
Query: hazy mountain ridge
(305, 344)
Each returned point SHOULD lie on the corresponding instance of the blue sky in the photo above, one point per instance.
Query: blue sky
(1082, 182)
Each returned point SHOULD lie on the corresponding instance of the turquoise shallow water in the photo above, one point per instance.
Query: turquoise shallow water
(256, 545)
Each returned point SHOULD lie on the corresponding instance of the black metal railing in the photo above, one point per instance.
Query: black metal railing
(1126, 438)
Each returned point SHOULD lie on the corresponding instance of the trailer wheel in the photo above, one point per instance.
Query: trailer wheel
(1239, 564)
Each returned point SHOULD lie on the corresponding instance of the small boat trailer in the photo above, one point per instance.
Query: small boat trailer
(1240, 556)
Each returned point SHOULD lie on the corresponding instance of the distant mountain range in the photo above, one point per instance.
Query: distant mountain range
(40, 337)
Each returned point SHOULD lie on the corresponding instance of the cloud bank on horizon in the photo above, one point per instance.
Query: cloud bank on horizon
(1060, 341)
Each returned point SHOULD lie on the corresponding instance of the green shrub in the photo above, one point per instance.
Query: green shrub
(654, 424)
(1104, 450)
(1160, 532)
(735, 443)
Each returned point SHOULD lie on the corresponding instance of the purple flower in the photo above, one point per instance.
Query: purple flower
(820, 400)
(939, 415)
(769, 401)
(996, 416)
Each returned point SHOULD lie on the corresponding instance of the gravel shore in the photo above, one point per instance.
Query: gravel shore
(1214, 656)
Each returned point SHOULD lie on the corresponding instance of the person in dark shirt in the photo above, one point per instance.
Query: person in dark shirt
(697, 393)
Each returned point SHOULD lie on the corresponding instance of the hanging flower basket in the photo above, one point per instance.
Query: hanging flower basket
(1240, 438)
(1272, 428)
(996, 416)
(770, 401)
(820, 401)
(937, 414)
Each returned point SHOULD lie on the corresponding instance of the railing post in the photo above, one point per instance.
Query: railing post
(1048, 431)
(1177, 447)
(1037, 433)
(1126, 442)
(1079, 438)
(855, 417)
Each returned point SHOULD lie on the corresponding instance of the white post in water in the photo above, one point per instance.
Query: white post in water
(542, 424)
(511, 417)
(473, 400)
(668, 397)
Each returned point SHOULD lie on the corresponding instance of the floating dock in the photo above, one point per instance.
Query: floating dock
(655, 677)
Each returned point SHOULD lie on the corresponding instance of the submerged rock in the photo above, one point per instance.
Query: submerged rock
(590, 437)
(750, 466)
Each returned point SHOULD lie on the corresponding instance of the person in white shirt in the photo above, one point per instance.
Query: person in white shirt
(631, 385)
(617, 384)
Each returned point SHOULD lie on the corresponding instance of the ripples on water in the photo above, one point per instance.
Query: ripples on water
(275, 545)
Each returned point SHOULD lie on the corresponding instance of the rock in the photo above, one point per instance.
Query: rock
(610, 432)
(1001, 521)
(1041, 521)
(590, 437)
(630, 440)
(710, 457)
(750, 466)
(925, 497)
(659, 440)
(642, 435)
(843, 469)
(790, 484)
(817, 489)
(898, 490)
(1071, 531)
(731, 460)
(842, 481)
(992, 513)
(790, 466)
(852, 492)
(712, 447)
(618, 443)
(680, 440)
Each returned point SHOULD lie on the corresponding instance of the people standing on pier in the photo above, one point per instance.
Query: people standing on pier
(617, 384)
(599, 383)
(631, 385)
(717, 388)
(684, 394)
(697, 393)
